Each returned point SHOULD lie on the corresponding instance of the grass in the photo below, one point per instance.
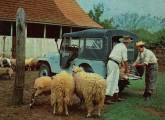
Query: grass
(134, 107)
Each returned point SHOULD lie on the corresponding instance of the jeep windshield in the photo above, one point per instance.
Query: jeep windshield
(86, 48)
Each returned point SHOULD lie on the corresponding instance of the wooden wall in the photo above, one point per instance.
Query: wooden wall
(35, 47)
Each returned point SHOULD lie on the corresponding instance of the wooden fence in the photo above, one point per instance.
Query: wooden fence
(160, 54)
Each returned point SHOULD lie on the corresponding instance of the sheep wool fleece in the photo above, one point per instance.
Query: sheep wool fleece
(112, 78)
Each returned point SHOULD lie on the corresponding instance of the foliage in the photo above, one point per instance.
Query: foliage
(107, 24)
(132, 107)
(96, 14)
(153, 40)
(149, 29)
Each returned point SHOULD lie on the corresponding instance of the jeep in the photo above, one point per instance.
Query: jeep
(89, 49)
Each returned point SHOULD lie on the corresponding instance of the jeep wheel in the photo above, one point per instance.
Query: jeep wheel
(44, 70)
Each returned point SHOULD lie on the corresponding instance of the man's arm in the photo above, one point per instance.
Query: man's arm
(126, 66)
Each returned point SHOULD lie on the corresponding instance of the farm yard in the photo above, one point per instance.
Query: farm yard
(133, 108)
(42, 111)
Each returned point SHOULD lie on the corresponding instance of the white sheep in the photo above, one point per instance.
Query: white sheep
(62, 89)
(41, 86)
(122, 73)
(34, 63)
(90, 87)
(6, 71)
(28, 64)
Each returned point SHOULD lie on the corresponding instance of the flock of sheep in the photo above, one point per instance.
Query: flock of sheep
(30, 64)
(89, 87)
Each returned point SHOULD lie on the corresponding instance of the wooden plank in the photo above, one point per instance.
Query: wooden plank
(20, 58)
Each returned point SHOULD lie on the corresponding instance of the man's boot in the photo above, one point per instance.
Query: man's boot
(108, 100)
(145, 94)
(148, 96)
(116, 98)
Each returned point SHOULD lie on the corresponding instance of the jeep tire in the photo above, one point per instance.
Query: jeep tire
(44, 70)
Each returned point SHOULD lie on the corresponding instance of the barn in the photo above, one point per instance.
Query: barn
(46, 20)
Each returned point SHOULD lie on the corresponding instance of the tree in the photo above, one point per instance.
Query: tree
(96, 14)
(107, 24)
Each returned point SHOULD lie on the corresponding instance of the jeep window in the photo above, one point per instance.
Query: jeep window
(115, 40)
(130, 45)
(94, 43)
(69, 44)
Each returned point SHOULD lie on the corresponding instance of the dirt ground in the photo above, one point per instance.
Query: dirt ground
(42, 111)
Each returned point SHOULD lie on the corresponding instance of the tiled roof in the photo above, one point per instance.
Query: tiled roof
(63, 12)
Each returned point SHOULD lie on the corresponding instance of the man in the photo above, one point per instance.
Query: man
(147, 58)
(118, 54)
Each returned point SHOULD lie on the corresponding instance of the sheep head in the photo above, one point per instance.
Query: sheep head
(76, 70)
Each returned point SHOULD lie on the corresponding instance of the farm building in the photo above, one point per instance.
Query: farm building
(45, 20)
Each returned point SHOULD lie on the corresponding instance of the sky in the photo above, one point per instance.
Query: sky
(117, 7)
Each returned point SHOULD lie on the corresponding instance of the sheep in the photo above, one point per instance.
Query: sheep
(62, 90)
(41, 86)
(90, 87)
(6, 71)
(122, 73)
(34, 63)
(28, 64)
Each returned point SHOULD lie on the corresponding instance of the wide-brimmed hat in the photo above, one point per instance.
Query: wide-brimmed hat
(125, 38)
(141, 43)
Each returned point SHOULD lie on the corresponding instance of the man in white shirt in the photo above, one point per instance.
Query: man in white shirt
(147, 58)
(116, 57)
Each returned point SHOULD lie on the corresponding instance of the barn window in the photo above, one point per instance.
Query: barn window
(52, 31)
(35, 30)
(5, 28)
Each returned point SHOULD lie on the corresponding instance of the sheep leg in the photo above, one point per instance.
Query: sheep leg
(54, 110)
(66, 110)
(89, 106)
(100, 100)
(32, 101)
(29, 68)
(100, 106)
(33, 98)
(66, 106)
(10, 76)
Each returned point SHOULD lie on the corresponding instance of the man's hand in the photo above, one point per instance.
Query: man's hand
(126, 71)
(133, 65)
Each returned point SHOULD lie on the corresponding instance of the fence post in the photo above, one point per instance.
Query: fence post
(20, 58)
(3, 55)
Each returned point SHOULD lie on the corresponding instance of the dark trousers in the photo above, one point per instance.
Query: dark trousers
(151, 77)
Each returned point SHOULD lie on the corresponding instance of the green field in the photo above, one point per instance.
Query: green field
(134, 107)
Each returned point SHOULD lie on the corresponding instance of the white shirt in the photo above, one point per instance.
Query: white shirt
(147, 56)
(119, 53)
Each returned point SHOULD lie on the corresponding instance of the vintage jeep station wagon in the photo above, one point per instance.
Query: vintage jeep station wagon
(89, 49)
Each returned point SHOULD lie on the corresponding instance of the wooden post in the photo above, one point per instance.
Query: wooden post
(3, 55)
(20, 58)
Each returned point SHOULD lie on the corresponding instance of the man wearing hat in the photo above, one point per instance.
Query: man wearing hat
(116, 57)
(147, 58)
